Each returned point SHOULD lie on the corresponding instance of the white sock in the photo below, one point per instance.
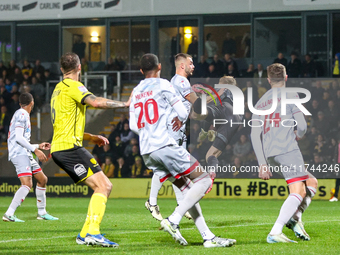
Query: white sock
(18, 198)
(41, 200)
(196, 214)
(305, 203)
(156, 185)
(195, 193)
(312, 191)
(176, 217)
(178, 193)
(288, 208)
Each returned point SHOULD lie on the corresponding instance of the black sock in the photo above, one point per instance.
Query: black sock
(213, 162)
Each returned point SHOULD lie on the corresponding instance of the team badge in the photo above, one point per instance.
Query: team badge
(82, 89)
(79, 169)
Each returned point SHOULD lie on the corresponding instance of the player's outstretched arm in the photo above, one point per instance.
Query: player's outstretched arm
(97, 139)
(191, 97)
(220, 92)
(100, 102)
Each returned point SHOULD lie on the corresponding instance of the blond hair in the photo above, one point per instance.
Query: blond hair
(227, 80)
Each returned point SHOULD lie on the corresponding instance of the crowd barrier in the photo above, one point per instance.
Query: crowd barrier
(222, 188)
(140, 188)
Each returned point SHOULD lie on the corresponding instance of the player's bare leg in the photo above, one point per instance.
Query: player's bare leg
(40, 192)
(193, 192)
(295, 223)
(297, 193)
(90, 233)
(19, 197)
(311, 188)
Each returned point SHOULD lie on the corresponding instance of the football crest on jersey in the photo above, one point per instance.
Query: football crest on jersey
(79, 169)
(82, 88)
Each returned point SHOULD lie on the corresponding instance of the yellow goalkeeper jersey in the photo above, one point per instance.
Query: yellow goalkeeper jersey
(68, 114)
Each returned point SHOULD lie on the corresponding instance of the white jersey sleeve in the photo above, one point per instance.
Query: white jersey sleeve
(132, 119)
(169, 92)
(277, 130)
(20, 119)
(151, 103)
(182, 88)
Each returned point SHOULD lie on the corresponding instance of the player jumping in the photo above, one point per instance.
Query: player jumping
(222, 134)
(68, 108)
(20, 154)
(281, 149)
(151, 102)
(184, 69)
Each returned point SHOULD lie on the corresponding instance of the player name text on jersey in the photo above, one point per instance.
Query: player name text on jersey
(144, 94)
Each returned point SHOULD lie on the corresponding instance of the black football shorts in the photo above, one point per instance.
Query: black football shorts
(77, 162)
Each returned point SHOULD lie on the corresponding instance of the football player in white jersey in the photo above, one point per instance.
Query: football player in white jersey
(279, 148)
(184, 68)
(20, 154)
(150, 106)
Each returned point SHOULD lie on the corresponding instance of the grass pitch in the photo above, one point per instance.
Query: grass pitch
(129, 224)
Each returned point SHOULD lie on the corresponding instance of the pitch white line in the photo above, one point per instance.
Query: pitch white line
(32, 239)
(153, 230)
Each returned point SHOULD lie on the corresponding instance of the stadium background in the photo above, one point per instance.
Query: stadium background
(124, 30)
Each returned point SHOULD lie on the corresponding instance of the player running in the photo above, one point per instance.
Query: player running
(281, 149)
(184, 69)
(68, 107)
(151, 103)
(20, 154)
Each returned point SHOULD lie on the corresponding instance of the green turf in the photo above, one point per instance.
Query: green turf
(128, 223)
